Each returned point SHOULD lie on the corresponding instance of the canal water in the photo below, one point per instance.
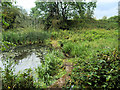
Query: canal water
(25, 57)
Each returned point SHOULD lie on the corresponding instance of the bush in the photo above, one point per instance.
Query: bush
(49, 68)
(74, 49)
(101, 71)
(52, 63)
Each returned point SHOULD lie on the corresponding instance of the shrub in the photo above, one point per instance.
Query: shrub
(49, 68)
(74, 49)
(101, 71)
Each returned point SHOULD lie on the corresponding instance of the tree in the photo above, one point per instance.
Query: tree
(12, 16)
(114, 19)
(62, 11)
(104, 18)
(4, 5)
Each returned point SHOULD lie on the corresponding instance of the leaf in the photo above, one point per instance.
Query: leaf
(89, 83)
(108, 78)
(6, 24)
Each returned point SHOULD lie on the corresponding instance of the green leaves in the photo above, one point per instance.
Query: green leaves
(99, 72)
(28, 37)
(108, 78)
(49, 68)
(74, 49)
(5, 45)
(4, 22)
(13, 17)
(49, 11)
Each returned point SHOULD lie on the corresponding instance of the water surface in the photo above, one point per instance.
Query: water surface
(25, 57)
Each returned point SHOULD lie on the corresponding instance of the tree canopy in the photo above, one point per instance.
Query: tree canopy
(62, 11)
(13, 16)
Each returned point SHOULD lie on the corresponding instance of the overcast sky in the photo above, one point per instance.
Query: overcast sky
(104, 7)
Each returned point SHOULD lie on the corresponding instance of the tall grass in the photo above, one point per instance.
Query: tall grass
(90, 42)
(25, 37)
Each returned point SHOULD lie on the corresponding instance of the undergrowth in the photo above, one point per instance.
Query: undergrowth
(94, 54)
(100, 71)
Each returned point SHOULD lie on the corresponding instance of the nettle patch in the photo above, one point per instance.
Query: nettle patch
(100, 71)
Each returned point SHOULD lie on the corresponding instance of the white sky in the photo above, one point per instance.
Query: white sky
(104, 7)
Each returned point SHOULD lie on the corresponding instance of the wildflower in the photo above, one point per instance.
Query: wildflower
(8, 87)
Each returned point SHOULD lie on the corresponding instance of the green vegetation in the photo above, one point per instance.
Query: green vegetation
(90, 45)
(25, 37)
(98, 71)
(46, 74)
(94, 54)
(48, 71)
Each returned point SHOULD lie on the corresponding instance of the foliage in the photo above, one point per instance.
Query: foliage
(104, 18)
(74, 49)
(46, 73)
(24, 80)
(50, 68)
(114, 18)
(100, 71)
(93, 52)
(54, 11)
(83, 42)
(87, 23)
(3, 5)
(9, 79)
(13, 17)
(27, 37)
(12, 81)
(96, 58)
(7, 74)
(6, 46)
(63, 9)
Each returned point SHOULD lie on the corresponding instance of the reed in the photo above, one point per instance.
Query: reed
(27, 37)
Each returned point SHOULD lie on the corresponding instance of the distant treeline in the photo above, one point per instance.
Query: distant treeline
(60, 17)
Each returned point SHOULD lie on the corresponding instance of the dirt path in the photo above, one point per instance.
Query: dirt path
(68, 66)
(62, 81)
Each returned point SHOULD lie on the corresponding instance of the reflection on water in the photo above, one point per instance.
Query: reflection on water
(31, 61)
(26, 57)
